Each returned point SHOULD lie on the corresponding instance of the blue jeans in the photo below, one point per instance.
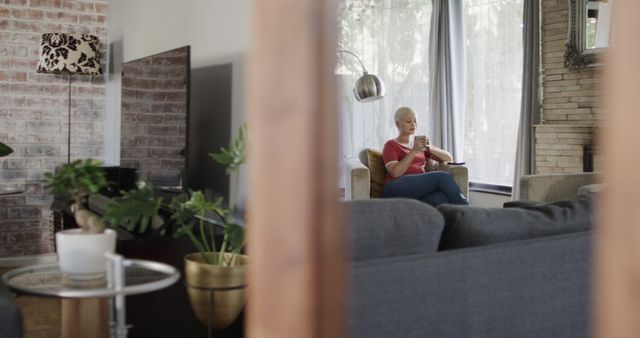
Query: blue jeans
(433, 188)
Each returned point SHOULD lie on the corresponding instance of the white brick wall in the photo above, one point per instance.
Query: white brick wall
(559, 147)
(33, 114)
(570, 101)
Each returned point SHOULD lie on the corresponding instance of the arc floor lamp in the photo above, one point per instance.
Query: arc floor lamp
(70, 54)
(368, 87)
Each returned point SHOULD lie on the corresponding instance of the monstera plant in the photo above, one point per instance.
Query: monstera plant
(214, 267)
(135, 213)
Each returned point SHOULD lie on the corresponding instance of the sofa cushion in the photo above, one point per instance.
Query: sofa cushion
(468, 226)
(377, 172)
(393, 227)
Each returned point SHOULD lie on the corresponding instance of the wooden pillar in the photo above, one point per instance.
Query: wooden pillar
(295, 239)
(617, 271)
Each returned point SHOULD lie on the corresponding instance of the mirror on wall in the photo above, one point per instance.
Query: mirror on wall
(589, 31)
(155, 107)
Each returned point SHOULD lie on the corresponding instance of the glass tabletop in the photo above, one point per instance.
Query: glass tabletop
(140, 276)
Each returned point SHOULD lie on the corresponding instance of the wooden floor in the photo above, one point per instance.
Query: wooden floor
(40, 315)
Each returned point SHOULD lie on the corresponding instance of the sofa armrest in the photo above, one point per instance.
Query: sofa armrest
(554, 187)
(460, 175)
(357, 185)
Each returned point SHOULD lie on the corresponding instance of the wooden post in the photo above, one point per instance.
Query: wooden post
(296, 277)
(617, 271)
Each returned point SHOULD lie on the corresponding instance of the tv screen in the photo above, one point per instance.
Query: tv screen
(155, 109)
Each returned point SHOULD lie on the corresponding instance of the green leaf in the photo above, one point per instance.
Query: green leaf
(5, 150)
(134, 210)
(235, 156)
(78, 179)
(234, 235)
(181, 214)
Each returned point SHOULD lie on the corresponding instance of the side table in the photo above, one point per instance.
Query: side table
(124, 277)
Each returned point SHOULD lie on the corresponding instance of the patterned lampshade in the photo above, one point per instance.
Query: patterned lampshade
(66, 53)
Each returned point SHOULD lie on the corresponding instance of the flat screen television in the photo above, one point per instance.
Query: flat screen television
(155, 111)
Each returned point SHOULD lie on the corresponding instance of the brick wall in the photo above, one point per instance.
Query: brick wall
(33, 114)
(570, 106)
(154, 108)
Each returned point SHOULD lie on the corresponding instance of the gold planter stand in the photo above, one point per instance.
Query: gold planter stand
(216, 293)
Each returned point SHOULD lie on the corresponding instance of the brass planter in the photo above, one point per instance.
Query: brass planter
(202, 277)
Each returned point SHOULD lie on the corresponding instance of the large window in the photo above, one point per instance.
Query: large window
(493, 59)
(392, 39)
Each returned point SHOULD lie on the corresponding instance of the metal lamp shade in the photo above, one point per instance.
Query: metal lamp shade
(67, 53)
(368, 88)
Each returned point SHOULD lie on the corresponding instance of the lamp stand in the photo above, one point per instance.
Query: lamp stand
(69, 125)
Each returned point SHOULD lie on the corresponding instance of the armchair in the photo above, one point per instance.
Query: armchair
(361, 180)
(554, 187)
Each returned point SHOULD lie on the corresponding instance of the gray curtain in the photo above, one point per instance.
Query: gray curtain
(446, 71)
(530, 107)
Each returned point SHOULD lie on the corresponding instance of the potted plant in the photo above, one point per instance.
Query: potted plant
(218, 269)
(81, 251)
(5, 150)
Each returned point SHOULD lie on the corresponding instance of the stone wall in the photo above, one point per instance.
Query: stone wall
(33, 114)
(570, 102)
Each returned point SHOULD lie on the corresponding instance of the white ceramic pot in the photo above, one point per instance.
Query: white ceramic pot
(81, 254)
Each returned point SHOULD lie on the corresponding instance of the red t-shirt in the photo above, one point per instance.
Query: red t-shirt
(395, 152)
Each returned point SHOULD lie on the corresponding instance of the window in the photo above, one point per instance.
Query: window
(493, 62)
(392, 39)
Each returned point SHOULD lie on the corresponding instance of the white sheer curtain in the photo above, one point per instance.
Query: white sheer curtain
(493, 43)
(392, 39)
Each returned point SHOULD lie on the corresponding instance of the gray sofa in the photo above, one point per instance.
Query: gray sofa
(404, 283)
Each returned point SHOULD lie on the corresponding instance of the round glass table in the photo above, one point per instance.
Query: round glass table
(124, 277)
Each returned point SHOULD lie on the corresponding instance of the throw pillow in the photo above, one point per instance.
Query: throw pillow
(377, 172)
(388, 227)
(590, 189)
(468, 226)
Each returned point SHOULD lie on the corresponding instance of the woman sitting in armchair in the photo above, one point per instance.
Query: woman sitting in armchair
(405, 158)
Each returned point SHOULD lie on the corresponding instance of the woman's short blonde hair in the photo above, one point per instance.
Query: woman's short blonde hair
(402, 112)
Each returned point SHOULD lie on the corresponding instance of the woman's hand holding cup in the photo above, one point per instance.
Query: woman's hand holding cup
(421, 142)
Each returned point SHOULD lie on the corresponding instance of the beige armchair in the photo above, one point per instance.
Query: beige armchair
(554, 187)
(359, 180)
